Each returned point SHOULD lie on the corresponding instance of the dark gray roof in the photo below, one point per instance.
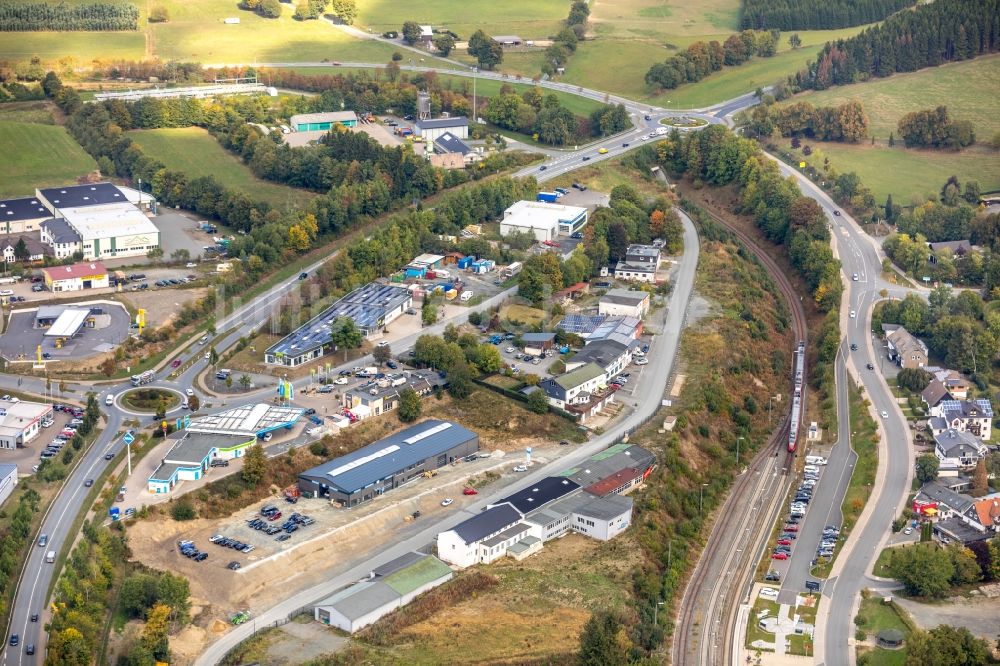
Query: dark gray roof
(605, 508)
(635, 267)
(935, 492)
(33, 245)
(958, 443)
(934, 393)
(957, 246)
(537, 337)
(491, 521)
(956, 528)
(609, 462)
(25, 208)
(60, 231)
(457, 121)
(74, 196)
(400, 562)
(539, 494)
(511, 531)
(601, 352)
(625, 296)
(450, 143)
(647, 251)
(387, 456)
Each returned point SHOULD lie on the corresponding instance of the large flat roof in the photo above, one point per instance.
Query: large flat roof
(21, 413)
(625, 297)
(541, 493)
(540, 214)
(74, 196)
(24, 208)
(110, 221)
(324, 117)
(68, 323)
(387, 456)
(192, 447)
(457, 121)
(246, 420)
(366, 306)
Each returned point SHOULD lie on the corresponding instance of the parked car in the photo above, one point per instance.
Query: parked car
(470, 491)
(779, 556)
(769, 592)
(520, 468)
(447, 501)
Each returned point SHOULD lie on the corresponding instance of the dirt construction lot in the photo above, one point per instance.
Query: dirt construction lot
(274, 570)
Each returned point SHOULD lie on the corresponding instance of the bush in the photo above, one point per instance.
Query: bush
(319, 449)
(183, 509)
(159, 14)
(270, 9)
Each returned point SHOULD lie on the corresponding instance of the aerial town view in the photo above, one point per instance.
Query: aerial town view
(556, 333)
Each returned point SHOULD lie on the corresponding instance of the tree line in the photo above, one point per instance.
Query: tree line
(700, 59)
(815, 14)
(930, 35)
(544, 116)
(847, 122)
(933, 128)
(565, 42)
(717, 156)
(92, 16)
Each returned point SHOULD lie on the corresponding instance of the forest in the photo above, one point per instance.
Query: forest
(701, 59)
(717, 156)
(815, 14)
(932, 34)
(95, 16)
(847, 122)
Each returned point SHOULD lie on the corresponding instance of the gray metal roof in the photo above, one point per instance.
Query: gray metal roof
(401, 562)
(601, 352)
(75, 196)
(457, 121)
(193, 448)
(936, 492)
(385, 457)
(511, 531)
(6, 469)
(450, 143)
(25, 208)
(60, 231)
(625, 296)
(539, 494)
(605, 508)
(643, 251)
(537, 337)
(361, 599)
(491, 521)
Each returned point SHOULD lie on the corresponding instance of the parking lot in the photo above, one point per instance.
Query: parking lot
(26, 458)
(22, 338)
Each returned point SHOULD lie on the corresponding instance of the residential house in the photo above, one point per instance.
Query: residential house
(958, 248)
(907, 350)
(958, 450)
(988, 510)
(640, 264)
(945, 385)
(34, 249)
(482, 538)
(582, 392)
(382, 397)
(611, 355)
(973, 416)
(934, 394)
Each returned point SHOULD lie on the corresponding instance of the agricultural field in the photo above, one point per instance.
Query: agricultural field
(38, 156)
(195, 152)
(969, 89)
(909, 175)
(528, 19)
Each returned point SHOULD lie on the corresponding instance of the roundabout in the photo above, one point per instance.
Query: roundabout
(683, 122)
(144, 401)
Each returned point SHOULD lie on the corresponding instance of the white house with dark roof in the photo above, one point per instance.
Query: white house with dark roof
(640, 264)
(611, 355)
(483, 538)
(972, 416)
(430, 129)
(21, 215)
(958, 450)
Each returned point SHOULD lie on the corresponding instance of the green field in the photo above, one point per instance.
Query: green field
(529, 19)
(195, 152)
(877, 616)
(39, 156)
(969, 89)
(908, 175)
(78, 48)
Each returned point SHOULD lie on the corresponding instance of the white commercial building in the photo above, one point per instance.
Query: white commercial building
(624, 302)
(20, 421)
(8, 479)
(544, 220)
(430, 129)
(92, 275)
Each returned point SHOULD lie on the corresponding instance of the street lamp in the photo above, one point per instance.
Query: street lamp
(701, 497)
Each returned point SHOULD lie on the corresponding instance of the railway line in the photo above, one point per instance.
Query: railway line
(704, 632)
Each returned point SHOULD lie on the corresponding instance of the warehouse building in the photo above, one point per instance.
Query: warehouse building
(371, 308)
(619, 469)
(8, 480)
(389, 463)
(313, 122)
(76, 277)
(21, 421)
(388, 587)
(430, 130)
(544, 220)
(482, 539)
(221, 436)
(22, 215)
(625, 303)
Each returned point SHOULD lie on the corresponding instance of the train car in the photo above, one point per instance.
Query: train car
(797, 397)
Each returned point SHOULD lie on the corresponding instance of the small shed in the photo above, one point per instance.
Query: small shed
(537, 343)
(891, 639)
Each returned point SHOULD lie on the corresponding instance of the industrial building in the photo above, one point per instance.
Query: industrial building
(22, 215)
(87, 275)
(640, 264)
(544, 220)
(21, 421)
(389, 463)
(618, 470)
(223, 436)
(388, 587)
(624, 303)
(592, 328)
(519, 525)
(8, 480)
(430, 130)
(371, 308)
(312, 122)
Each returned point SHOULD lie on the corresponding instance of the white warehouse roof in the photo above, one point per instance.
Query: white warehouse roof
(541, 215)
(109, 221)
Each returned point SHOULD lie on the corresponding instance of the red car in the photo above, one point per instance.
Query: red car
(784, 542)
(779, 556)
(274, 516)
(176, 363)
(470, 491)
(791, 528)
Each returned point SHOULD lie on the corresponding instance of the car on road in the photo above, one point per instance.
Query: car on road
(176, 363)
(769, 592)
(88, 483)
(586, 158)
(855, 277)
(885, 414)
(509, 350)
(837, 213)
(14, 639)
(908, 530)
(189, 392)
(854, 346)
(853, 314)
(869, 366)
(30, 649)
(447, 501)
(341, 381)
(542, 168)
(603, 151)
(470, 491)
(303, 276)
(310, 411)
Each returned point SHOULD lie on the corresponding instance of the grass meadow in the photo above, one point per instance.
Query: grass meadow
(195, 152)
(969, 89)
(39, 156)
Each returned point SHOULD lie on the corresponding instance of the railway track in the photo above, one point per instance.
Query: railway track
(704, 632)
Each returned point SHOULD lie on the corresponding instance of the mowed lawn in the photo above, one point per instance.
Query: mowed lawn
(529, 19)
(195, 152)
(39, 156)
(969, 89)
(907, 174)
(81, 47)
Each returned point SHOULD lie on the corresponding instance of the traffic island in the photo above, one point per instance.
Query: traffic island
(150, 400)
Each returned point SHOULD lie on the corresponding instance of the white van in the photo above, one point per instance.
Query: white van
(50, 557)
(110, 400)
(811, 469)
(815, 460)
